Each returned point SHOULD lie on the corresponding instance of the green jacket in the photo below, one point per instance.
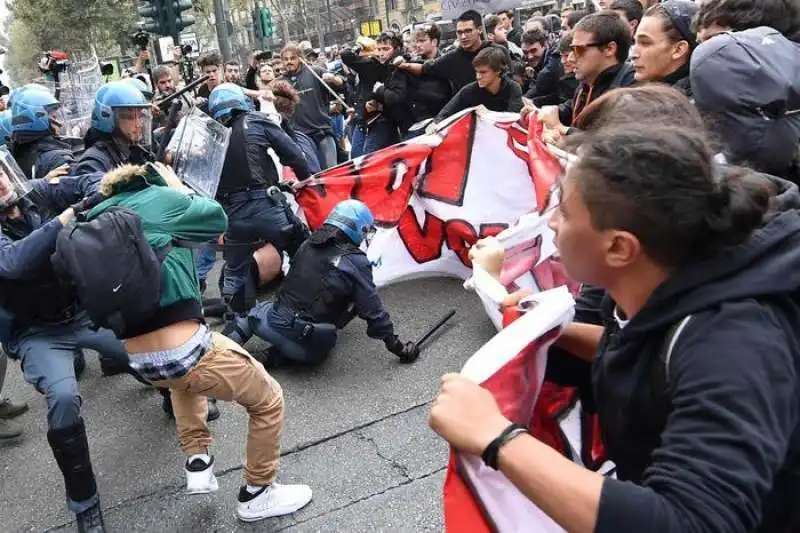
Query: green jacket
(166, 214)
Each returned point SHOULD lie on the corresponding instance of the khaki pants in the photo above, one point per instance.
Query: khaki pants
(228, 372)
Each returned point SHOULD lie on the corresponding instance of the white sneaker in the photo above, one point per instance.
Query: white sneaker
(200, 478)
(272, 500)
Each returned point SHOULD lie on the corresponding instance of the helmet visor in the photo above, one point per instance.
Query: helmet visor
(13, 183)
(135, 124)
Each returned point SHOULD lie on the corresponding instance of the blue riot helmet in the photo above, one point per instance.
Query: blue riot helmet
(5, 127)
(16, 92)
(122, 109)
(142, 86)
(35, 111)
(354, 219)
(226, 98)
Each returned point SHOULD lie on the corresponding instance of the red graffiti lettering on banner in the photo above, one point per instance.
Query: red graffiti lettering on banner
(383, 180)
(423, 243)
(448, 167)
(386, 180)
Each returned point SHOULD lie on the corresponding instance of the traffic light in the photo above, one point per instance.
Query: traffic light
(181, 21)
(153, 19)
(267, 28)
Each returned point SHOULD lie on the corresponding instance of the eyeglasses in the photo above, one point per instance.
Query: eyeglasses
(580, 49)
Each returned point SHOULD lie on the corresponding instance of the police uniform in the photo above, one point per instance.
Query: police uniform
(330, 282)
(42, 326)
(104, 154)
(256, 214)
(38, 154)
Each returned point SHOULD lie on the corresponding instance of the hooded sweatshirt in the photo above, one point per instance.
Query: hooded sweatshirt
(707, 438)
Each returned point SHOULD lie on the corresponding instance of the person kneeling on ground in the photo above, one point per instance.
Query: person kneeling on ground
(329, 282)
(175, 349)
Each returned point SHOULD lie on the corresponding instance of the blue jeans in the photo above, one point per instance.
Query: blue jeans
(378, 136)
(206, 257)
(251, 221)
(326, 148)
(47, 362)
(276, 326)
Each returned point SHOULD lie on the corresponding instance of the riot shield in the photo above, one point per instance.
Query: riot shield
(76, 90)
(198, 149)
(13, 182)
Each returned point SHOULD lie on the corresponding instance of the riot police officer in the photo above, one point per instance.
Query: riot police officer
(330, 282)
(258, 214)
(5, 127)
(41, 324)
(35, 121)
(120, 131)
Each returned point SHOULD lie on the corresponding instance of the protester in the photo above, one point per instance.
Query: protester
(757, 117)
(567, 83)
(175, 349)
(330, 282)
(573, 18)
(163, 81)
(286, 100)
(120, 131)
(42, 324)
(493, 89)
(664, 44)
(507, 20)
(312, 116)
(266, 75)
(366, 62)
(547, 69)
(600, 45)
(427, 94)
(717, 16)
(257, 211)
(685, 258)
(455, 66)
(496, 33)
(389, 98)
(34, 141)
(233, 72)
(631, 12)
(210, 64)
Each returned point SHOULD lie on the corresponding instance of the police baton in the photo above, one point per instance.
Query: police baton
(436, 327)
(347, 108)
(163, 104)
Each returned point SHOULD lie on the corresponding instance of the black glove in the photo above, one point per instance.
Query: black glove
(408, 352)
(88, 203)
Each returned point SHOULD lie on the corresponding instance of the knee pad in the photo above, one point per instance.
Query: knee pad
(71, 451)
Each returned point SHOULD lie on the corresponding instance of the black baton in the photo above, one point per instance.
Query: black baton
(436, 327)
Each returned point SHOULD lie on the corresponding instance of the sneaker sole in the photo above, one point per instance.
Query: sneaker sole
(271, 513)
(213, 488)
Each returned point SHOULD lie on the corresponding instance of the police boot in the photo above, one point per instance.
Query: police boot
(71, 451)
(91, 520)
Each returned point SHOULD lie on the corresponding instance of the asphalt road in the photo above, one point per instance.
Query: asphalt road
(356, 432)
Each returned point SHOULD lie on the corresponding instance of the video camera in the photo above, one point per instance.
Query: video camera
(141, 39)
(264, 55)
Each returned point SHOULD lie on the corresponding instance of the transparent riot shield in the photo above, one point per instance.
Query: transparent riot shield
(76, 89)
(198, 149)
(13, 182)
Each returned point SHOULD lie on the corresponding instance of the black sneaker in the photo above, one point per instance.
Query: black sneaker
(91, 520)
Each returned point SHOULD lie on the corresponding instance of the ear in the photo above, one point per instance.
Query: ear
(623, 249)
(680, 49)
(611, 50)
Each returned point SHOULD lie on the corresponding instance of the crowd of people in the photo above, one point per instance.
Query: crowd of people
(678, 215)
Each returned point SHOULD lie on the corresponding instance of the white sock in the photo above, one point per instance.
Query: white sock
(252, 489)
(202, 456)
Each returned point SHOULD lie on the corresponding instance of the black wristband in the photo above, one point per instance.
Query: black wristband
(490, 454)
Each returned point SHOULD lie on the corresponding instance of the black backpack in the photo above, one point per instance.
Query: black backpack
(116, 273)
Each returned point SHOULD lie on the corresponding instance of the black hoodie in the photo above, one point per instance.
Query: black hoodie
(710, 445)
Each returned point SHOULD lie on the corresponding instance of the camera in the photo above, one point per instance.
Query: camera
(141, 39)
(186, 49)
(265, 55)
(53, 62)
(106, 68)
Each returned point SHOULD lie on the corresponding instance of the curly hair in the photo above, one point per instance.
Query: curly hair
(286, 97)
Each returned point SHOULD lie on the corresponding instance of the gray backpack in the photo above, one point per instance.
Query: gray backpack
(747, 85)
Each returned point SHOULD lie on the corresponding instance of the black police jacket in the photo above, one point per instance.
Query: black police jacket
(103, 155)
(330, 274)
(247, 161)
(38, 154)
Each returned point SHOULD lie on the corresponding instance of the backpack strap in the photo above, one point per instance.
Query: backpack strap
(669, 344)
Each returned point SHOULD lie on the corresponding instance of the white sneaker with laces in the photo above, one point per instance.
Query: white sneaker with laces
(272, 500)
(200, 478)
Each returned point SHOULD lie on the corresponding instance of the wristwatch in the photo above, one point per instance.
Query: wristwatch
(490, 454)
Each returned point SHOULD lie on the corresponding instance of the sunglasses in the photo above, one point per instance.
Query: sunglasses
(580, 49)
